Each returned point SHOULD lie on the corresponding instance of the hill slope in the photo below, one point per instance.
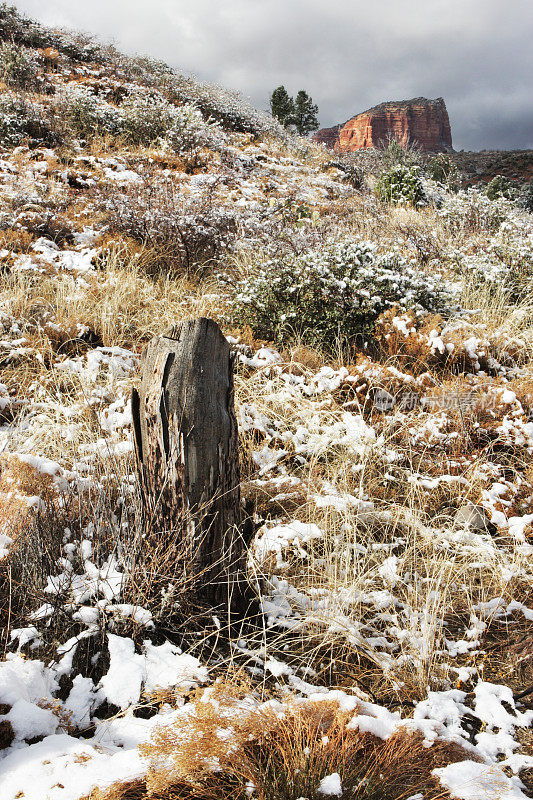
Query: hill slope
(383, 342)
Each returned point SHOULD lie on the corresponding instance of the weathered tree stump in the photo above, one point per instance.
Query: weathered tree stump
(186, 442)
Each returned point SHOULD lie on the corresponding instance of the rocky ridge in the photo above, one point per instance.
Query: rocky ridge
(419, 121)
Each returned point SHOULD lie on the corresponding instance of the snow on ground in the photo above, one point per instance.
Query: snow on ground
(386, 527)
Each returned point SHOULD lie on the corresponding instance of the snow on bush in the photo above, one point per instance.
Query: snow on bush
(402, 185)
(19, 65)
(189, 131)
(335, 291)
(227, 107)
(186, 230)
(471, 210)
(21, 119)
(142, 118)
(507, 258)
(88, 113)
(145, 117)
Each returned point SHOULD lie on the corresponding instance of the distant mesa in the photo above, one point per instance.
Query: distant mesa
(422, 122)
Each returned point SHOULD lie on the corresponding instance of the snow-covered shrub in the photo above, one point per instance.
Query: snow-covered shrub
(87, 113)
(231, 746)
(513, 243)
(526, 199)
(79, 46)
(190, 131)
(140, 69)
(19, 66)
(14, 27)
(145, 117)
(499, 187)
(402, 185)
(186, 232)
(140, 119)
(472, 211)
(337, 291)
(227, 107)
(354, 174)
(21, 120)
(441, 169)
(456, 346)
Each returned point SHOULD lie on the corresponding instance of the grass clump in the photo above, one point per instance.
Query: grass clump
(441, 168)
(227, 748)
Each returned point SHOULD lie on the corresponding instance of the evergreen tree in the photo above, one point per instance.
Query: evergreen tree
(282, 106)
(305, 116)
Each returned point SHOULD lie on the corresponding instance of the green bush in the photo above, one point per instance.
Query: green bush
(18, 66)
(499, 187)
(441, 168)
(335, 292)
(402, 185)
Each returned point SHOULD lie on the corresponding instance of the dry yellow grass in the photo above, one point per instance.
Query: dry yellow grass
(282, 752)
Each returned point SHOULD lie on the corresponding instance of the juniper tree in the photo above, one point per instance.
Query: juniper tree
(305, 114)
(282, 106)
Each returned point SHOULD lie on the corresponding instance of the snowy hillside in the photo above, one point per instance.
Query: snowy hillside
(383, 330)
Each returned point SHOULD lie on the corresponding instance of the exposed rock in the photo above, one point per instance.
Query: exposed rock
(474, 517)
(328, 136)
(422, 122)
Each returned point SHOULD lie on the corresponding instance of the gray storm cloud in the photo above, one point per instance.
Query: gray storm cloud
(348, 54)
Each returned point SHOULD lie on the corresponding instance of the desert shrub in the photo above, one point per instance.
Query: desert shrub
(88, 114)
(185, 232)
(14, 27)
(227, 107)
(526, 199)
(21, 120)
(511, 249)
(472, 211)
(149, 71)
(79, 46)
(441, 169)
(391, 153)
(338, 291)
(354, 174)
(402, 185)
(20, 30)
(189, 131)
(18, 66)
(140, 119)
(499, 187)
(145, 117)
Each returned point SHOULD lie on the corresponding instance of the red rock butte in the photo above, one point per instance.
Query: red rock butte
(421, 122)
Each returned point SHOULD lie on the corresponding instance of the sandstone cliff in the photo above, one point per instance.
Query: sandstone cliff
(419, 121)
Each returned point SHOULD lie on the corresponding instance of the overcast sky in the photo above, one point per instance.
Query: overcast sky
(348, 54)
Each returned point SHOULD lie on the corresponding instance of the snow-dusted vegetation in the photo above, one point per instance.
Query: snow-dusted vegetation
(384, 395)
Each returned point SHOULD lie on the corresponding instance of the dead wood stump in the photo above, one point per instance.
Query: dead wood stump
(186, 442)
